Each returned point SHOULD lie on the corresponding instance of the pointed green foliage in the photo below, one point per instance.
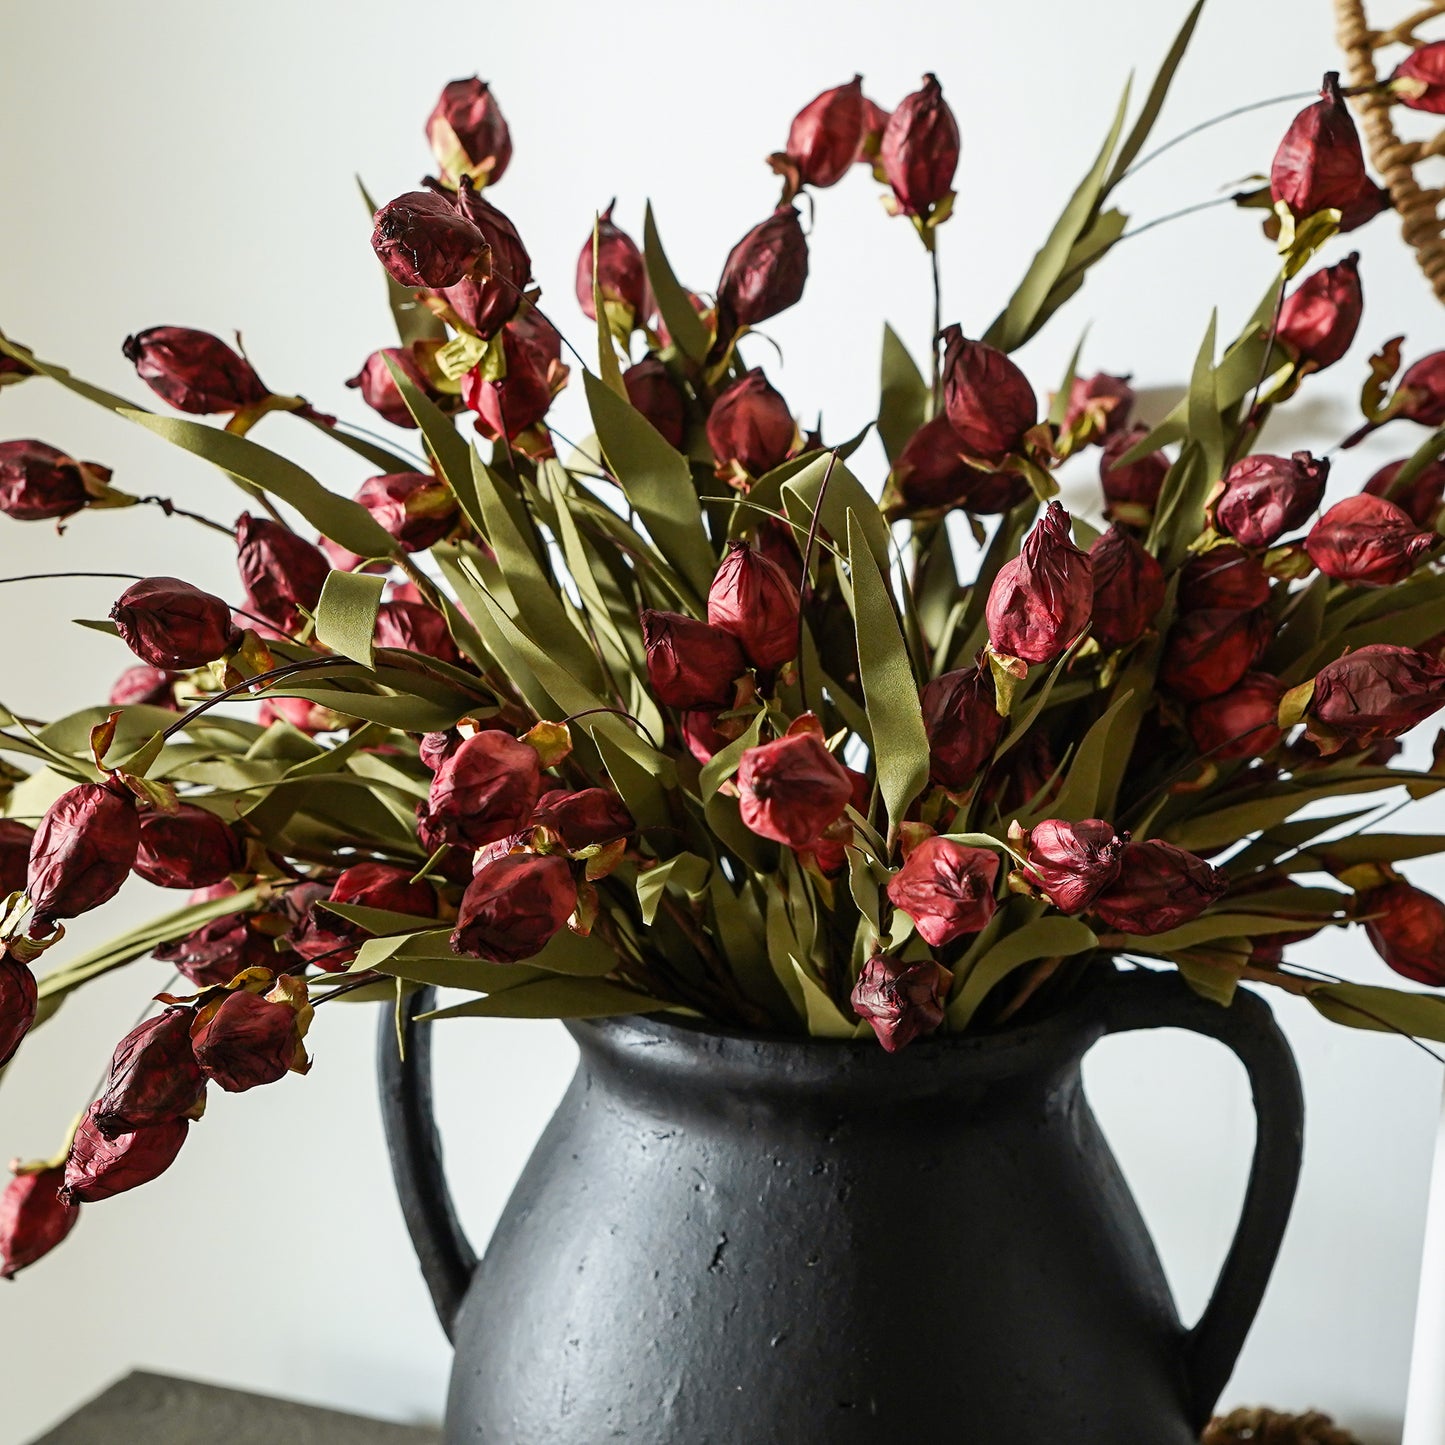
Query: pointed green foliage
(903, 399)
(555, 998)
(1050, 936)
(346, 614)
(681, 319)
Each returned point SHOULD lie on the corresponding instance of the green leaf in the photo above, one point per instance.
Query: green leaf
(1051, 936)
(845, 495)
(1213, 926)
(724, 763)
(1154, 102)
(555, 998)
(410, 714)
(453, 455)
(824, 1019)
(682, 321)
(379, 922)
(346, 614)
(903, 403)
(607, 366)
(686, 872)
(1386, 1010)
(1079, 797)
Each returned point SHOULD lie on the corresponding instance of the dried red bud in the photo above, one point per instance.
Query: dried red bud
(1131, 489)
(792, 790)
(750, 427)
(520, 399)
(426, 242)
(919, 149)
(1319, 163)
(758, 603)
(1407, 927)
(1072, 863)
(416, 627)
(216, 952)
(1367, 541)
(300, 713)
(381, 393)
(1099, 407)
(514, 906)
(653, 392)
(154, 1076)
(585, 818)
(825, 136)
(248, 1040)
(946, 888)
(1421, 500)
(764, 274)
(1419, 79)
(1420, 396)
(487, 303)
(15, 841)
(989, 401)
(100, 1168)
(190, 848)
(932, 475)
(18, 1002)
(1379, 691)
(690, 663)
(143, 686)
(82, 852)
(875, 122)
(32, 1219)
(1319, 319)
(330, 941)
(778, 542)
(1265, 497)
(1210, 649)
(1158, 887)
(961, 718)
(14, 371)
(1041, 600)
(416, 509)
(170, 624)
(468, 134)
(435, 748)
(1223, 577)
(485, 790)
(1128, 588)
(1240, 723)
(194, 371)
(1026, 779)
(39, 482)
(281, 572)
(901, 1001)
(621, 273)
(830, 853)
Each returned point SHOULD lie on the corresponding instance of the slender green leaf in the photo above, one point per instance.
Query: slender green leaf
(555, 998)
(1048, 937)
(346, 614)
(678, 314)
(824, 1019)
(1154, 102)
(686, 872)
(1385, 1010)
(903, 403)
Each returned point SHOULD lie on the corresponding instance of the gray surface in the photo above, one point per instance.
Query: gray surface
(160, 1410)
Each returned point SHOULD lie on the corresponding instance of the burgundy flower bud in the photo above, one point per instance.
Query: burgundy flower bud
(154, 1076)
(585, 818)
(1421, 500)
(764, 274)
(830, 852)
(1040, 601)
(381, 393)
(1265, 497)
(1128, 588)
(1099, 407)
(486, 789)
(1319, 163)
(100, 1168)
(82, 852)
(758, 603)
(416, 627)
(170, 624)
(750, 428)
(919, 150)
(961, 718)
(1131, 489)
(621, 273)
(143, 686)
(690, 663)
(1224, 576)
(32, 1218)
(520, 399)
(38, 482)
(1319, 319)
(901, 1001)
(1072, 863)
(1240, 723)
(248, 1040)
(988, 399)
(875, 122)
(1209, 650)
(1419, 79)
(1420, 397)
(15, 841)
(487, 302)
(18, 1001)
(190, 848)
(1379, 691)
(216, 952)
(1367, 541)
(792, 790)
(280, 571)
(946, 888)
(514, 906)
(700, 733)
(468, 134)
(825, 136)
(194, 371)
(425, 241)
(300, 713)
(435, 748)
(14, 371)
(374, 885)
(932, 474)
(778, 543)
(1157, 888)
(654, 393)
(416, 509)
(1406, 925)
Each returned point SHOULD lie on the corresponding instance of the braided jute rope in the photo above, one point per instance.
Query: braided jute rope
(1394, 159)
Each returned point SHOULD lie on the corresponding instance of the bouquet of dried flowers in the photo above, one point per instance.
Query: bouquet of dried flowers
(689, 717)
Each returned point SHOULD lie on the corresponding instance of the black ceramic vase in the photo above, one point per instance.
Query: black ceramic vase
(734, 1240)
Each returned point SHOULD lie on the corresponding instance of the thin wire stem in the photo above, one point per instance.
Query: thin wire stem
(1204, 125)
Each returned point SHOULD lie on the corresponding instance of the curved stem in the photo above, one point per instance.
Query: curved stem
(171, 510)
(1204, 125)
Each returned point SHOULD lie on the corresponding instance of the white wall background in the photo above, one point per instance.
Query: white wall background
(169, 162)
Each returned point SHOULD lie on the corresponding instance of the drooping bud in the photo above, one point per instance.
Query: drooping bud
(487, 302)
(194, 371)
(514, 906)
(1421, 500)
(1419, 79)
(281, 572)
(100, 1168)
(764, 274)
(170, 624)
(244, 1039)
(946, 888)
(143, 686)
(1040, 600)
(1319, 319)
(901, 1001)
(1223, 577)
(1406, 925)
(1240, 723)
(425, 242)
(1128, 588)
(1319, 163)
(792, 790)
(18, 1002)
(690, 663)
(189, 848)
(919, 149)
(1099, 407)
(750, 428)
(1210, 649)
(621, 275)
(486, 789)
(216, 952)
(1157, 888)
(825, 136)
(82, 852)
(416, 627)
(413, 507)
(1072, 863)
(1367, 541)
(32, 1218)
(510, 404)
(989, 401)
(1131, 489)
(468, 134)
(15, 841)
(961, 718)
(330, 941)
(154, 1077)
(653, 392)
(758, 603)
(584, 818)
(1375, 692)
(39, 482)
(1265, 497)
(932, 475)
(380, 391)
(1420, 396)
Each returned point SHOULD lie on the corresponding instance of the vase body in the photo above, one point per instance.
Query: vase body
(725, 1239)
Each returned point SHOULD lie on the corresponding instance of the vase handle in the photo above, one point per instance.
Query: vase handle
(404, 1076)
(1140, 1000)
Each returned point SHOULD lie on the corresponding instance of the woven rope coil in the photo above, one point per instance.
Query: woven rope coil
(1419, 207)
